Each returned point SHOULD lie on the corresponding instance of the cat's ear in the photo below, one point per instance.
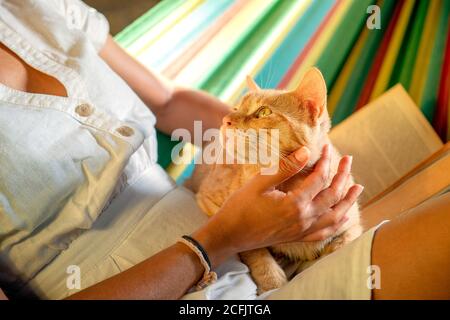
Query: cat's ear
(312, 92)
(252, 86)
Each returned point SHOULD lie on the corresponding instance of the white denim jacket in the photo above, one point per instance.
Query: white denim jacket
(63, 159)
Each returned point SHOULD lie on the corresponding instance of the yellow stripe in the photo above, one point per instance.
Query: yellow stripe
(140, 45)
(423, 56)
(211, 55)
(176, 170)
(384, 76)
(346, 72)
(254, 65)
(320, 44)
(145, 54)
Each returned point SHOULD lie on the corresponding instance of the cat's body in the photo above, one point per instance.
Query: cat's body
(214, 183)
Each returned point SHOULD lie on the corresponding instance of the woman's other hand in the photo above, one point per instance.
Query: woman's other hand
(260, 215)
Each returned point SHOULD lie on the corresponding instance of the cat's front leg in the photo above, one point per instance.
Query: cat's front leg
(265, 271)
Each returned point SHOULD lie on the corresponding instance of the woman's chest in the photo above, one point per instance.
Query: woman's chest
(16, 74)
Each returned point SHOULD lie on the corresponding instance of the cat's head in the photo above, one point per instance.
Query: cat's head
(300, 115)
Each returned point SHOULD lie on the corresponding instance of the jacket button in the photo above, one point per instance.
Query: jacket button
(84, 110)
(125, 131)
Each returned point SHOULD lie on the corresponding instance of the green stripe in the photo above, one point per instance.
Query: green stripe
(352, 91)
(249, 45)
(287, 52)
(207, 81)
(429, 99)
(335, 54)
(146, 22)
(404, 67)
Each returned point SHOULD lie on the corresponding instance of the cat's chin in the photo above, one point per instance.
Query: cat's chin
(315, 150)
(313, 158)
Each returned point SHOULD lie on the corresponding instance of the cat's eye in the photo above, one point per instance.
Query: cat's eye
(263, 112)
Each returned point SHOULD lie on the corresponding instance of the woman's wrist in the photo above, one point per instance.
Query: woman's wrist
(215, 242)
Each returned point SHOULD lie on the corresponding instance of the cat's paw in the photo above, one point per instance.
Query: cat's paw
(269, 279)
(265, 271)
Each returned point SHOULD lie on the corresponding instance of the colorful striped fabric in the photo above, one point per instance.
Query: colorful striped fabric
(374, 72)
(213, 44)
(356, 70)
(387, 67)
(432, 77)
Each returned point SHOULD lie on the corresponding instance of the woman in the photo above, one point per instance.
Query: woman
(85, 209)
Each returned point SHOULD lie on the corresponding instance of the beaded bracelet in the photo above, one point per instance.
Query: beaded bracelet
(208, 276)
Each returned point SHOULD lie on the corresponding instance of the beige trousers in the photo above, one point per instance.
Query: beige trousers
(119, 241)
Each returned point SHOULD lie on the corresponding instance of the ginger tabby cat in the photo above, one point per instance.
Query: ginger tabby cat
(302, 120)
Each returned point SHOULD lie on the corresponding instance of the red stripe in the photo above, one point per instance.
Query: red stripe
(440, 118)
(298, 61)
(378, 61)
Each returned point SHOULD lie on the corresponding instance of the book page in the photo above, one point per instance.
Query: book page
(443, 152)
(428, 181)
(387, 138)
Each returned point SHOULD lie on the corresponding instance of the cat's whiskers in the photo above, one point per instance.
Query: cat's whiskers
(271, 74)
(280, 154)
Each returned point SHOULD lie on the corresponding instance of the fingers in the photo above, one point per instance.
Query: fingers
(331, 219)
(350, 198)
(288, 167)
(325, 233)
(335, 192)
(317, 180)
(329, 223)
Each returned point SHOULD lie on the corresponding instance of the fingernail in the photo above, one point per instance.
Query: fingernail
(301, 154)
(326, 149)
(349, 164)
(361, 189)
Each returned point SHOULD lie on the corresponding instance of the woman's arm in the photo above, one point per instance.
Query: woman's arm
(257, 215)
(166, 275)
(167, 102)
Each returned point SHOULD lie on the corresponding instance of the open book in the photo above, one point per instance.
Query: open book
(398, 157)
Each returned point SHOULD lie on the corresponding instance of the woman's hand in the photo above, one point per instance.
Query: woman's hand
(259, 215)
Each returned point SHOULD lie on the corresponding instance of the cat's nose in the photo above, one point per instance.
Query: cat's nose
(226, 121)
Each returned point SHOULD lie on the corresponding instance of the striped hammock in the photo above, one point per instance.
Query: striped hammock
(213, 44)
